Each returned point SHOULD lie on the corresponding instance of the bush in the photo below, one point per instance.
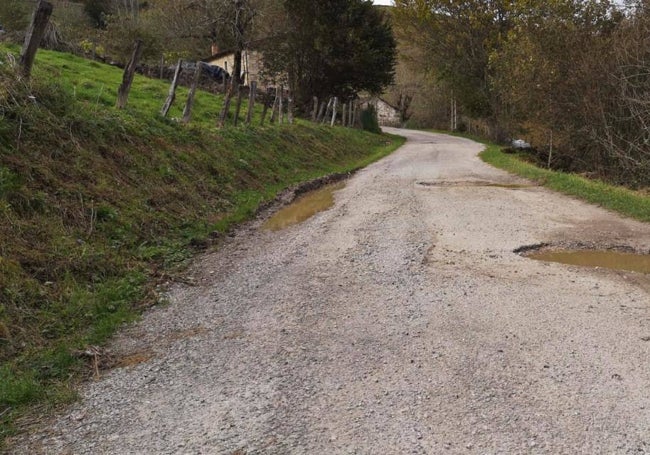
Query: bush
(369, 120)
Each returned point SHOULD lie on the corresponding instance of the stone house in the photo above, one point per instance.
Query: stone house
(387, 114)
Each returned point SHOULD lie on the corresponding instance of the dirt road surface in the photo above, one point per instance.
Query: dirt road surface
(398, 322)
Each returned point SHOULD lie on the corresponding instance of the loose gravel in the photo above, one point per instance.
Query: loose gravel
(399, 321)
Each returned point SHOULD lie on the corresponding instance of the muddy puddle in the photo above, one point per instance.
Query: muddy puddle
(614, 260)
(304, 207)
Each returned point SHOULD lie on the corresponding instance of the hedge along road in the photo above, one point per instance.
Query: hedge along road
(398, 321)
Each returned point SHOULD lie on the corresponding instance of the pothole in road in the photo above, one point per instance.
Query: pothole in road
(474, 183)
(304, 207)
(619, 258)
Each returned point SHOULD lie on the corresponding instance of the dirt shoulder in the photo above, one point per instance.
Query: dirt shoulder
(398, 321)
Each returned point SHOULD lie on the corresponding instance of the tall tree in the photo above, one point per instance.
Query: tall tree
(333, 48)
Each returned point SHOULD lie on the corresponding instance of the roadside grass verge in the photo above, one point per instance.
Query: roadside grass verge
(619, 199)
(98, 206)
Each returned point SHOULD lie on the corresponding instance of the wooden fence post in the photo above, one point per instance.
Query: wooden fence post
(127, 78)
(355, 114)
(314, 112)
(336, 100)
(187, 111)
(321, 112)
(281, 106)
(328, 110)
(351, 114)
(290, 109)
(275, 104)
(162, 66)
(226, 104)
(34, 35)
(265, 109)
(172, 90)
(240, 96)
(251, 102)
(344, 112)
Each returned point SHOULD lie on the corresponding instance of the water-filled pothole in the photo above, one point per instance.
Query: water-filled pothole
(608, 259)
(304, 207)
(474, 183)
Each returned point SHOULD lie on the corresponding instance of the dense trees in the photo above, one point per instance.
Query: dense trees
(332, 47)
(567, 74)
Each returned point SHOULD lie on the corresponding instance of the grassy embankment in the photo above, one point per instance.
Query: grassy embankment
(96, 205)
(635, 204)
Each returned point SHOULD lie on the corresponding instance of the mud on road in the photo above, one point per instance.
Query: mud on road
(398, 321)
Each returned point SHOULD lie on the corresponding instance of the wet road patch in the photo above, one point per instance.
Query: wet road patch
(304, 207)
(615, 259)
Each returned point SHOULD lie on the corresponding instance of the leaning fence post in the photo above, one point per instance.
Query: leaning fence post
(127, 78)
(336, 100)
(251, 102)
(34, 35)
(321, 112)
(275, 104)
(328, 110)
(281, 105)
(314, 112)
(240, 96)
(290, 109)
(226, 104)
(172, 90)
(187, 111)
(265, 109)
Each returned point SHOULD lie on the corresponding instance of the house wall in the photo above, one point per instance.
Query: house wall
(387, 115)
(251, 65)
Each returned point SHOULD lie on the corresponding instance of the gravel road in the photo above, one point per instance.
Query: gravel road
(398, 322)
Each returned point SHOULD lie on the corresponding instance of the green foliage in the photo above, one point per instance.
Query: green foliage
(14, 15)
(333, 48)
(369, 120)
(95, 202)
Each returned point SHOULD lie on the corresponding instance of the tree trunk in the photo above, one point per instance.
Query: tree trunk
(172, 90)
(34, 35)
(127, 78)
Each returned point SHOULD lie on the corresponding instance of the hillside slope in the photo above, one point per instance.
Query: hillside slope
(97, 204)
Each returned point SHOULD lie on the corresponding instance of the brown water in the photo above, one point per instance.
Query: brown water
(304, 207)
(606, 259)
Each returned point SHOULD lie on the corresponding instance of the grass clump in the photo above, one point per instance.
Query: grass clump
(96, 204)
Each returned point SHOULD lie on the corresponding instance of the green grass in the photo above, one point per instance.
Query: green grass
(622, 200)
(96, 204)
